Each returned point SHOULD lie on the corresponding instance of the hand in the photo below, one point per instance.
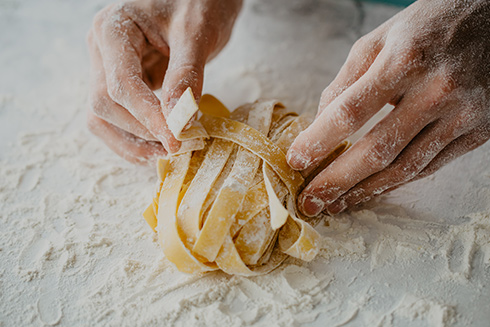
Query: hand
(139, 46)
(431, 61)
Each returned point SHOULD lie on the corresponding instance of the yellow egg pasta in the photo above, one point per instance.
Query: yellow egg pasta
(229, 204)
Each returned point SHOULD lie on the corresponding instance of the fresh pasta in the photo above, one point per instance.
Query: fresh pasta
(228, 202)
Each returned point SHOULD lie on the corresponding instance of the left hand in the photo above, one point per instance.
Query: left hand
(139, 46)
(431, 61)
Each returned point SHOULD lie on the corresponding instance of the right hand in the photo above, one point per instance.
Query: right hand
(139, 46)
(431, 62)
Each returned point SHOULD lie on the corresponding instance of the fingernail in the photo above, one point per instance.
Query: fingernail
(311, 205)
(336, 207)
(297, 161)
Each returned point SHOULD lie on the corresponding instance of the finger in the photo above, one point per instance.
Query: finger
(100, 102)
(126, 145)
(185, 69)
(424, 155)
(411, 161)
(346, 114)
(121, 44)
(360, 58)
(457, 148)
(453, 150)
(372, 153)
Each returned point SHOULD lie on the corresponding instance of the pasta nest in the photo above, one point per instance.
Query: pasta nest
(227, 199)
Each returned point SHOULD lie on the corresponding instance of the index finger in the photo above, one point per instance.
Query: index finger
(346, 114)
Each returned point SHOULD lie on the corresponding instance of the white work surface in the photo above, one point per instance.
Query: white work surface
(75, 251)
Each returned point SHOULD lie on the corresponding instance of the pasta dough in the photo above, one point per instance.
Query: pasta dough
(230, 204)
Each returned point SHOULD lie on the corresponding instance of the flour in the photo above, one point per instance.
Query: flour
(75, 250)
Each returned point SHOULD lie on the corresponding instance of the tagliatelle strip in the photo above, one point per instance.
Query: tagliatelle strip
(162, 168)
(192, 136)
(209, 105)
(278, 214)
(190, 210)
(180, 116)
(232, 193)
(168, 231)
(193, 203)
(150, 217)
(229, 202)
(257, 143)
(254, 238)
(255, 201)
(229, 261)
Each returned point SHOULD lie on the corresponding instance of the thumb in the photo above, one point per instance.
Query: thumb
(185, 69)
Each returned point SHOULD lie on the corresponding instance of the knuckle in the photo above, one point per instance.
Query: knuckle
(358, 49)
(378, 155)
(440, 88)
(120, 11)
(184, 75)
(112, 18)
(365, 48)
(403, 62)
(361, 43)
(407, 60)
(115, 89)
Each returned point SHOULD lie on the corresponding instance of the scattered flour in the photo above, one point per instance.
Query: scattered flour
(75, 250)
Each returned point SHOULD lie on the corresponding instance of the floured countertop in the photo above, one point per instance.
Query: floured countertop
(75, 251)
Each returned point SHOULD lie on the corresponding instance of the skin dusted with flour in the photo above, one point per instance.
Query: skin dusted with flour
(431, 62)
(140, 46)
